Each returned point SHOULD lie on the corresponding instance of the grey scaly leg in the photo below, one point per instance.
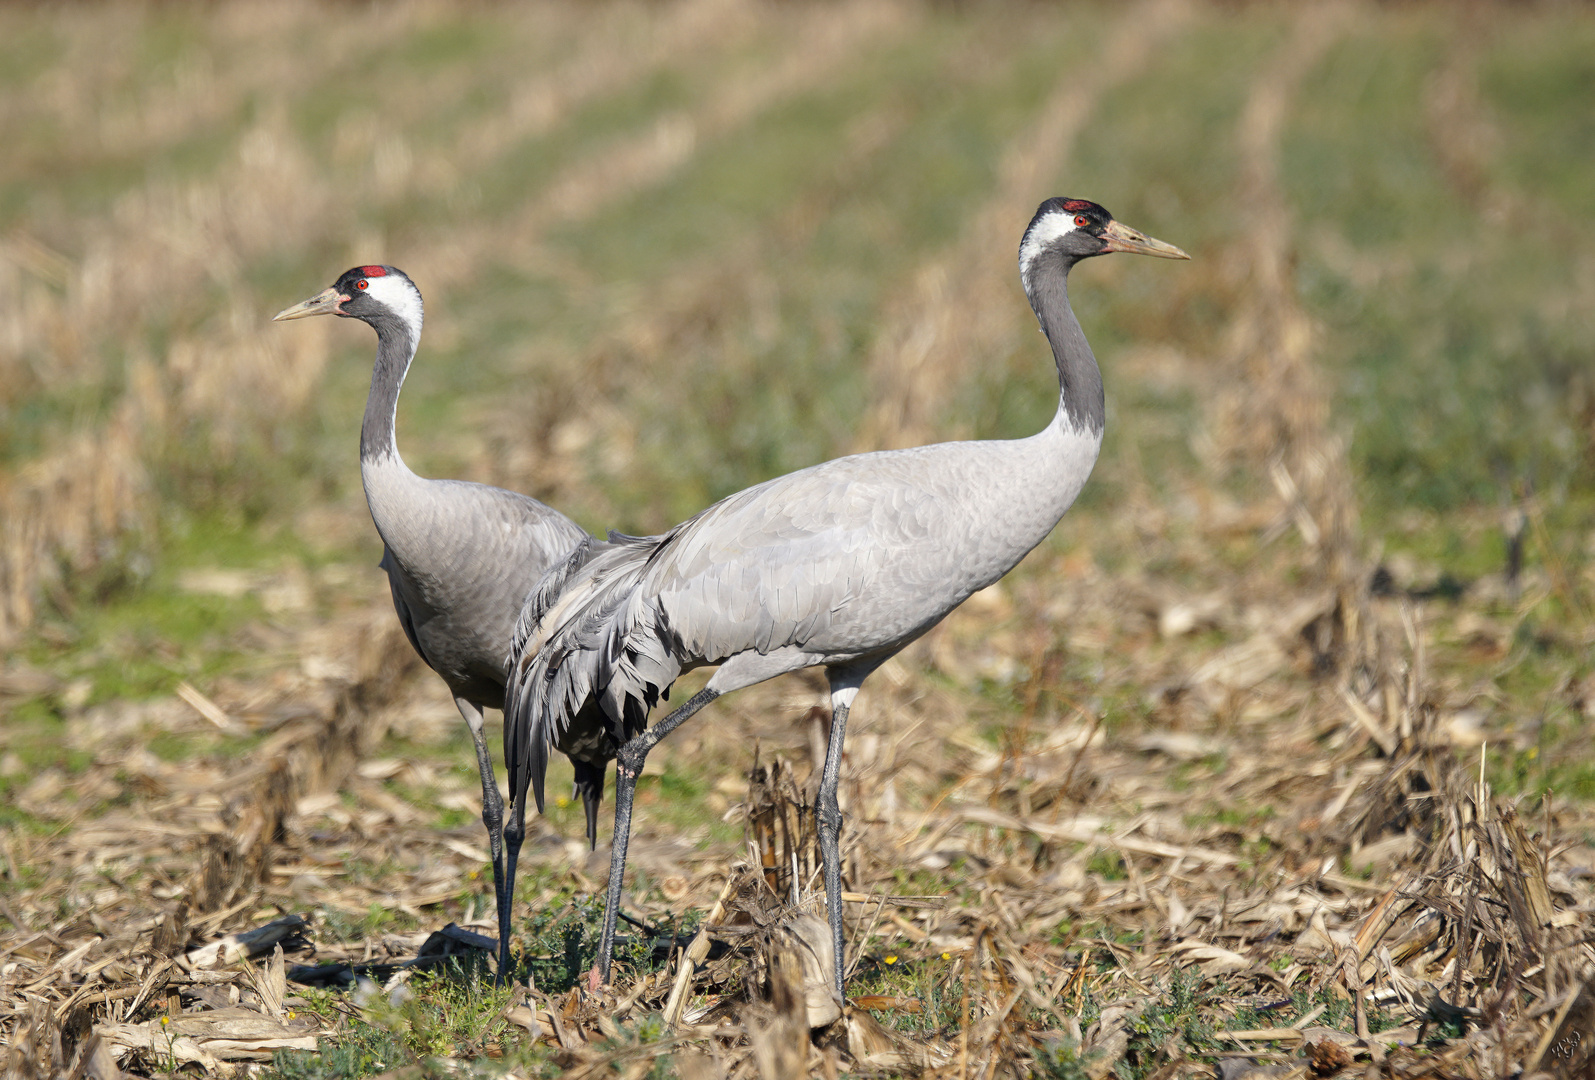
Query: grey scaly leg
(829, 814)
(628, 767)
(514, 833)
(493, 818)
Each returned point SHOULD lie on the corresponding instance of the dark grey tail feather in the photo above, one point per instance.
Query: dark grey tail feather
(547, 690)
(537, 769)
(590, 786)
(523, 758)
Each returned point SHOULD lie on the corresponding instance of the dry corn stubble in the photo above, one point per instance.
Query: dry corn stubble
(1291, 820)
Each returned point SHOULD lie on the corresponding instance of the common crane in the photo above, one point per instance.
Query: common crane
(839, 565)
(460, 557)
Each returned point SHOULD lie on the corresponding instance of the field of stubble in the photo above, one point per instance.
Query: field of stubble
(1274, 760)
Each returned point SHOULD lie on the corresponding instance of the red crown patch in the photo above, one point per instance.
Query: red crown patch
(373, 271)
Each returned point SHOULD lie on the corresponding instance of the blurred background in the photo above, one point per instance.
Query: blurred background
(1344, 508)
(669, 250)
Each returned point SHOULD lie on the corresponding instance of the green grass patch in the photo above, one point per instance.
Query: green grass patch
(449, 1014)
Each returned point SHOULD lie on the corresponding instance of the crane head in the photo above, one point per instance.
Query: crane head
(1068, 230)
(370, 293)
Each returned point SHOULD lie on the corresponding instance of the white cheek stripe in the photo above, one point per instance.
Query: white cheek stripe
(401, 297)
(1049, 230)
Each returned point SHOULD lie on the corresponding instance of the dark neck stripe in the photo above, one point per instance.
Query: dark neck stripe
(395, 350)
(1079, 379)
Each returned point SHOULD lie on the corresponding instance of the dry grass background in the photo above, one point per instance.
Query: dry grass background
(1272, 762)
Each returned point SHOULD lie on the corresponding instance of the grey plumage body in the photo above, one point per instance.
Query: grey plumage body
(455, 554)
(839, 565)
(460, 557)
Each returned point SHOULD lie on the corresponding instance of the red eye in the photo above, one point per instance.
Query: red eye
(1080, 222)
(362, 284)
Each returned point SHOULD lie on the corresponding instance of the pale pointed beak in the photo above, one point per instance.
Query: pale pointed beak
(1123, 238)
(323, 303)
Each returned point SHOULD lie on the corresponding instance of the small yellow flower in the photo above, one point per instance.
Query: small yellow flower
(165, 1020)
(891, 959)
(946, 956)
(475, 874)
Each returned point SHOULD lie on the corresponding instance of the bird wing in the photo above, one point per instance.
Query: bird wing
(506, 524)
(460, 559)
(779, 566)
(401, 605)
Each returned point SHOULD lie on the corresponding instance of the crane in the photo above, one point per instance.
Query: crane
(839, 565)
(460, 557)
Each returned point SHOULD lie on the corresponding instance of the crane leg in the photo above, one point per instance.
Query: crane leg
(628, 767)
(514, 833)
(829, 816)
(493, 818)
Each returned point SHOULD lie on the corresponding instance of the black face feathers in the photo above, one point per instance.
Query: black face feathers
(376, 291)
(349, 283)
(1095, 214)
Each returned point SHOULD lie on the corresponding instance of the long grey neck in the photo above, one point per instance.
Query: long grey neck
(1080, 397)
(395, 349)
